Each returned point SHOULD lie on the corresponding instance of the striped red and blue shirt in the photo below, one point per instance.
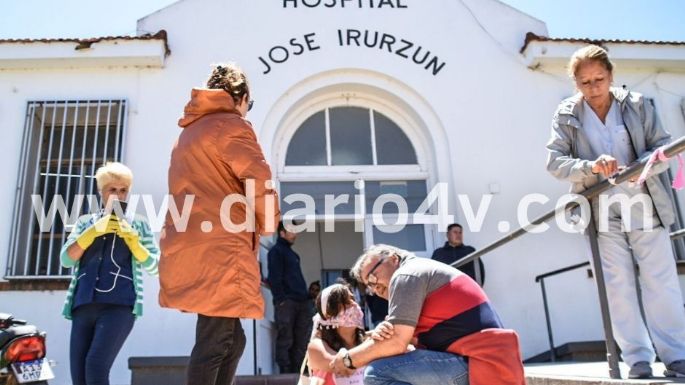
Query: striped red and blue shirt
(442, 303)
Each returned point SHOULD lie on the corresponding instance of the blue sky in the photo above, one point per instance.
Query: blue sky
(614, 19)
(609, 19)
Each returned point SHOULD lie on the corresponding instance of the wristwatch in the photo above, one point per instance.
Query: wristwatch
(347, 361)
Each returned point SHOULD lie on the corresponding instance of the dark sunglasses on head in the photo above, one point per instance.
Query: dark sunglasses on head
(250, 103)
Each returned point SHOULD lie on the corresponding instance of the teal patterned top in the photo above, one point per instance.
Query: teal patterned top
(147, 239)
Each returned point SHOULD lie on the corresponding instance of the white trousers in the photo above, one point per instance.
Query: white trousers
(661, 295)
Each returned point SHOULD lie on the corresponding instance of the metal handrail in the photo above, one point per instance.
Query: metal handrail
(541, 279)
(634, 169)
(678, 234)
(674, 235)
(559, 271)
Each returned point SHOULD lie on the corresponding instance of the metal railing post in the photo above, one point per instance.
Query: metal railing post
(612, 352)
(541, 279)
(552, 350)
(254, 346)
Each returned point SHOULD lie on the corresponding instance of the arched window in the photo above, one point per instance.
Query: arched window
(332, 150)
(349, 136)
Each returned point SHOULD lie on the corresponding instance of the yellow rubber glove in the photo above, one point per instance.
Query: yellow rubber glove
(132, 239)
(105, 225)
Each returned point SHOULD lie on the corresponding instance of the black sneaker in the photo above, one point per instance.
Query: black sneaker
(641, 369)
(675, 369)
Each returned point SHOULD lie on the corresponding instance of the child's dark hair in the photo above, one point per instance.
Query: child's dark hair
(339, 295)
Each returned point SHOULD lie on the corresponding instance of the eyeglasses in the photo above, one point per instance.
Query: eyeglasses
(250, 103)
(372, 284)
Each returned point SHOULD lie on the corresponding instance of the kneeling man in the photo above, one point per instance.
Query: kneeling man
(444, 313)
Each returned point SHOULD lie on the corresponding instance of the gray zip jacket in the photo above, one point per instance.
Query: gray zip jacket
(570, 157)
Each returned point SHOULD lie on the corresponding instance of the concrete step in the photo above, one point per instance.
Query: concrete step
(274, 379)
(589, 373)
(580, 351)
(172, 371)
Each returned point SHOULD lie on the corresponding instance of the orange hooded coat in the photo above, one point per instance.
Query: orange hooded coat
(216, 273)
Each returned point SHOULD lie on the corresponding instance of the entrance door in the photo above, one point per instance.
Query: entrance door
(325, 256)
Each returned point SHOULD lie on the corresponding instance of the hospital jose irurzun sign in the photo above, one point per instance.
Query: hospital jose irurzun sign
(385, 42)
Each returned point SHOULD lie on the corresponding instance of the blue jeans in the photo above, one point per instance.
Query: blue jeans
(98, 332)
(420, 367)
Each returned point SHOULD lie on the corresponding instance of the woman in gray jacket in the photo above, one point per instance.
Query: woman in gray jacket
(594, 134)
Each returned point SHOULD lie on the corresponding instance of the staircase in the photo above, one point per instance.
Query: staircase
(581, 351)
(172, 371)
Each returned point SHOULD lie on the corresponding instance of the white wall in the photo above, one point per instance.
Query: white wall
(491, 110)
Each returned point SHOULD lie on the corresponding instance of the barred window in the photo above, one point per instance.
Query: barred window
(63, 145)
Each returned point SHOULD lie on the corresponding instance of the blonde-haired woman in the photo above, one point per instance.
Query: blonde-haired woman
(105, 296)
(595, 133)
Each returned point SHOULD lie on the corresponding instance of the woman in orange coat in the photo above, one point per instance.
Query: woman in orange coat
(209, 260)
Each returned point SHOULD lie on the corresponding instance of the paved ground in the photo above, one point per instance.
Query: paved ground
(588, 373)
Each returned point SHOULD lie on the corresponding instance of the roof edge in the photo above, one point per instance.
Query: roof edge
(87, 42)
(531, 37)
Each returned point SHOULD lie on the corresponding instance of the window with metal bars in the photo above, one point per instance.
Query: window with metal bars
(63, 145)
